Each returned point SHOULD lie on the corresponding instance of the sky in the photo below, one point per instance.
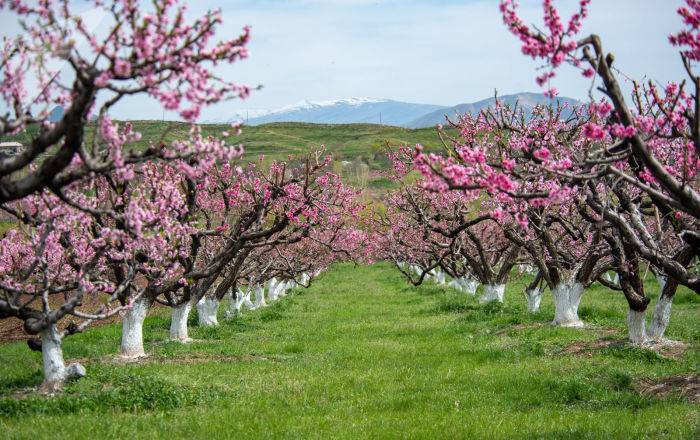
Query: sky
(424, 51)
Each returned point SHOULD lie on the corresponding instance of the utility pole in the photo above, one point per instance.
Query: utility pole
(380, 118)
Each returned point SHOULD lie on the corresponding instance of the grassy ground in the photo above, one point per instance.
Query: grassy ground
(361, 354)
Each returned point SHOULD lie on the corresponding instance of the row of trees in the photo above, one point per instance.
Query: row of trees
(575, 193)
(106, 228)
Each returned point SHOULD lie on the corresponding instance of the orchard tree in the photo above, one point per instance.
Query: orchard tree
(649, 142)
(97, 219)
(57, 61)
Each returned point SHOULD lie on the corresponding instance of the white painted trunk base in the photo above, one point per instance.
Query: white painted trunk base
(469, 285)
(534, 298)
(259, 297)
(132, 330)
(492, 292)
(636, 327)
(438, 276)
(235, 304)
(660, 318)
(206, 311)
(178, 322)
(567, 297)
(465, 285)
(55, 371)
(272, 289)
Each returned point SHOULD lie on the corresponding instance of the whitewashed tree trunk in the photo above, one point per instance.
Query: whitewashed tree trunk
(259, 297)
(492, 292)
(289, 286)
(234, 305)
(55, 371)
(207, 308)
(418, 270)
(567, 297)
(636, 326)
(534, 298)
(178, 322)
(454, 284)
(661, 317)
(439, 276)
(607, 277)
(272, 289)
(470, 285)
(132, 329)
(246, 302)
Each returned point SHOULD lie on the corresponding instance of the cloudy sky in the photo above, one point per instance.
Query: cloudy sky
(425, 51)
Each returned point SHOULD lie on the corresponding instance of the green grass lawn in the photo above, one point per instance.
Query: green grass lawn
(363, 355)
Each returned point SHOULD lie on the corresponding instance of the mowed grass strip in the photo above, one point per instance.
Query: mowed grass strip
(362, 354)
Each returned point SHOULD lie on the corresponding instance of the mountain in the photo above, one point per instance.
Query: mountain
(526, 101)
(349, 111)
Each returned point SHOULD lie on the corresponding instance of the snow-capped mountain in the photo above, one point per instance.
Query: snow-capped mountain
(346, 111)
(384, 111)
(526, 101)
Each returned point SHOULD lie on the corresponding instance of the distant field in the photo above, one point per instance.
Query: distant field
(348, 143)
(345, 141)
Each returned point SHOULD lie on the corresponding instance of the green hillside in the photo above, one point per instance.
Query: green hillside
(280, 139)
(357, 148)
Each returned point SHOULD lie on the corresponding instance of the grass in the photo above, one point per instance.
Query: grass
(362, 354)
(348, 143)
(278, 140)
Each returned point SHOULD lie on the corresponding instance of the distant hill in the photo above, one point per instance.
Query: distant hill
(526, 101)
(384, 111)
(348, 111)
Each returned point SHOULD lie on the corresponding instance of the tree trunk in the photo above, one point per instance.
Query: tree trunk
(259, 297)
(662, 310)
(470, 285)
(207, 308)
(439, 276)
(132, 329)
(178, 322)
(534, 297)
(234, 305)
(55, 371)
(272, 289)
(567, 297)
(636, 327)
(493, 292)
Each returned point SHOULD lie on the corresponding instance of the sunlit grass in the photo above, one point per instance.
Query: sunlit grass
(362, 354)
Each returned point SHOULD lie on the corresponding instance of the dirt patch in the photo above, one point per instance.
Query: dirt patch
(589, 348)
(668, 349)
(517, 327)
(685, 385)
